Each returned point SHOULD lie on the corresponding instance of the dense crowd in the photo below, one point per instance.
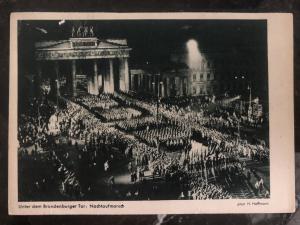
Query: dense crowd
(33, 182)
(102, 101)
(141, 142)
(229, 146)
(169, 136)
(201, 190)
(120, 113)
(160, 132)
(228, 143)
(32, 125)
(78, 123)
(137, 124)
(30, 130)
(52, 177)
(196, 121)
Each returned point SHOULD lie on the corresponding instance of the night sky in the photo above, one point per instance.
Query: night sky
(234, 45)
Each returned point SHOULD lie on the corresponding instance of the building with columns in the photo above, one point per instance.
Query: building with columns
(87, 64)
(203, 80)
(177, 82)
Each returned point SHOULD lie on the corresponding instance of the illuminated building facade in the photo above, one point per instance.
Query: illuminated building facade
(87, 64)
(182, 81)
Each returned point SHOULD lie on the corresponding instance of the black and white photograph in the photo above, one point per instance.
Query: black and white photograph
(142, 110)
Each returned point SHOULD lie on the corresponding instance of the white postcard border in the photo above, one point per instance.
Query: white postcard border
(281, 111)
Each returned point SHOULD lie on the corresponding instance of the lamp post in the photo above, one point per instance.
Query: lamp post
(242, 77)
(158, 86)
(250, 102)
(240, 82)
(38, 112)
(239, 132)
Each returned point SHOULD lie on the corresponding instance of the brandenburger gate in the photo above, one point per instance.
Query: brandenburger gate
(102, 64)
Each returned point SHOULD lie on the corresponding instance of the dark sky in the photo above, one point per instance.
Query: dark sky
(232, 44)
(156, 39)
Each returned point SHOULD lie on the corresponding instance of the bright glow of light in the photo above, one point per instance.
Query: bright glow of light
(194, 58)
(192, 44)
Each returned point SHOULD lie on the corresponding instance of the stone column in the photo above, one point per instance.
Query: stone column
(100, 81)
(139, 82)
(95, 81)
(74, 84)
(142, 81)
(68, 82)
(121, 75)
(132, 82)
(162, 93)
(106, 78)
(89, 85)
(167, 86)
(163, 88)
(177, 85)
(149, 83)
(189, 85)
(100, 78)
(53, 76)
(38, 78)
(184, 86)
(126, 74)
(153, 85)
(56, 69)
(111, 77)
(180, 86)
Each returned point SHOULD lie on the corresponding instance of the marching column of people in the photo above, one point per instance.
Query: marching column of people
(99, 147)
